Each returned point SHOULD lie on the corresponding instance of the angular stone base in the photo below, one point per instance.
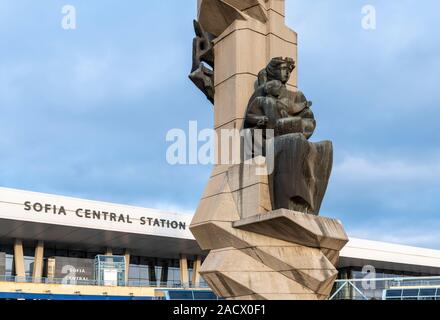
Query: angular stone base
(301, 271)
(297, 227)
(282, 254)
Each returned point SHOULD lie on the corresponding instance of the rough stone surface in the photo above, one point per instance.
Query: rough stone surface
(203, 53)
(278, 254)
(257, 253)
(297, 227)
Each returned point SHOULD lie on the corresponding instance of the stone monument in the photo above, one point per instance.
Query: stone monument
(258, 217)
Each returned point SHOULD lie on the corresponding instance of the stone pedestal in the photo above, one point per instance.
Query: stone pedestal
(257, 253)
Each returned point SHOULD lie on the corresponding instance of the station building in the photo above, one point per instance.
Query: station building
(56, 247)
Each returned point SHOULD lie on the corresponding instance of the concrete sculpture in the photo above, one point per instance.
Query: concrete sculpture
(301, 168)
(262, 230)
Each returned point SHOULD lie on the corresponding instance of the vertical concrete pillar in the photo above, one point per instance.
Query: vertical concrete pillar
(51, 268)
(37, 272)
(127, 265)
(196, 274)
(240, 54)
(184, 275)
(19, 259)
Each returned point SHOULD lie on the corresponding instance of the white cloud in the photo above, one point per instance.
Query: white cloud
(122, 74)
(394, 68)
(10, 78)
(377, 169)
(423, 235)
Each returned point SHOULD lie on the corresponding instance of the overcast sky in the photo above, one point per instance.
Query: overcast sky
(85, 112)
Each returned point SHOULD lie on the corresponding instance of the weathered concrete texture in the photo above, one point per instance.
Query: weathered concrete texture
(278, 296)
(233, 273)
(271, 255)
(253, 261)
(302, 173)
(235, 192)
(296, 227)
(217, 15)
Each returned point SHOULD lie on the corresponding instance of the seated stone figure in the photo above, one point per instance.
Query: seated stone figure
(265, 110)
(301, 168)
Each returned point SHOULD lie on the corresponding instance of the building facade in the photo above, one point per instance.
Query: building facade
(53, 246)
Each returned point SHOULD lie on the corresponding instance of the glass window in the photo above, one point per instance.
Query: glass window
(8, 249)
(204, 295)
(143, 283)
(77, 254)
(146, 261)
(133, 283)
(61, 253)
(134, 260)
(181, 295)
(158, 271)
(139, 274)
(427, 292)
(173, 277)
(410, 293)
(92, 255)
(203, 282)
(49, 253)
(28, 265)
(9, 265)
(394, 293)
(133, 271)
(143, 273)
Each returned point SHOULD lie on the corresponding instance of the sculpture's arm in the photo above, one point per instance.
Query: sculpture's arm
(309, 122)
(258, 121)
(255, 116)
(298, 103)
(289, 125)
(296, 107)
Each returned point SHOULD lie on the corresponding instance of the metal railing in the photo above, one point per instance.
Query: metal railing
(350, 289)
(374, 288)
(81, 282)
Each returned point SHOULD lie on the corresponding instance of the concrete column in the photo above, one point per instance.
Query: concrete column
(184, 275)
(196, 275)
(51, 268)
(237, 65)
(19, 259)
(127, 265)
(37, 272)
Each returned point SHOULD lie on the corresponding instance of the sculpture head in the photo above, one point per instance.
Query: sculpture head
(280, 69)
